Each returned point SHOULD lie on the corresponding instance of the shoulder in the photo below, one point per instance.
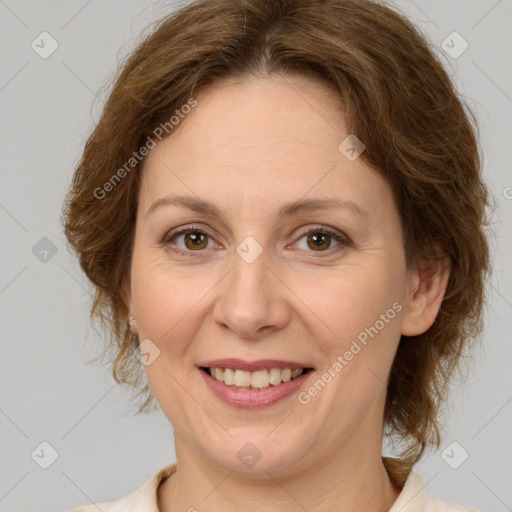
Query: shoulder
(143, 498)
(434, 503)
(415, 498)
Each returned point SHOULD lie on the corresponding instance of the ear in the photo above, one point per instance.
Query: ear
(126, 294)
(426, 289)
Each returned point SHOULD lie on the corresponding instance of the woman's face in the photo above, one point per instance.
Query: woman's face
(257, 284)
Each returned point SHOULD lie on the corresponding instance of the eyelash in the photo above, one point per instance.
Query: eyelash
(342, 239)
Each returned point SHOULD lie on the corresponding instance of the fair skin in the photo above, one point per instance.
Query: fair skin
(250, 146)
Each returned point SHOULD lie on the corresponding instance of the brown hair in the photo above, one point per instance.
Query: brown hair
(398, 100)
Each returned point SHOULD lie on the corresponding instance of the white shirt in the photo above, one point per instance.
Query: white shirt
(412, 498)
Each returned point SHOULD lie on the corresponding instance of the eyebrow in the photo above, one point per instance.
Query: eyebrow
(288, 209)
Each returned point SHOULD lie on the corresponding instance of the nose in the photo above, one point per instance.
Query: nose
(252, 300)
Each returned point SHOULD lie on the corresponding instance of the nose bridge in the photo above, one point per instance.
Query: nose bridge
(249, 282)
(251, 297)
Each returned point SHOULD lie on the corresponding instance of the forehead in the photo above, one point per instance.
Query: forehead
(250, 110)
(261, 137)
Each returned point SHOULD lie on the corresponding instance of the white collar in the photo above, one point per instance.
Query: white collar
(412, 498)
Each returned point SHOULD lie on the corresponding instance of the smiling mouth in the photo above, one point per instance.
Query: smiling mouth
(258, 380)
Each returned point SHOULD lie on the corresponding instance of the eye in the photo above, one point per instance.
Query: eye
(320, 239)
(194, 240)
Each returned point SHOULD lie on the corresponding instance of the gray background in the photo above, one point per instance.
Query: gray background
(48, 392)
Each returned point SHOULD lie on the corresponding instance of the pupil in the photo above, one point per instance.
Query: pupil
(319, 240)
(196, 238)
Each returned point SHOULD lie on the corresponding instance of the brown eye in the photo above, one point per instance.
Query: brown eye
(194, 240)
(319, 241)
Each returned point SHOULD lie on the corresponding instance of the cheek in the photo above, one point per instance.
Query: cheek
(165, 302)
(167, 306)
(362, 308)
(348, 301)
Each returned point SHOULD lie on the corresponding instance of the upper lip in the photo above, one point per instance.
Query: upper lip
(252, 366)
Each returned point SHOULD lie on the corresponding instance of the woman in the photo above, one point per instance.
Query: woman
(282, 210)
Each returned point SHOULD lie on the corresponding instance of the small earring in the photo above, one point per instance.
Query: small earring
(131, 320)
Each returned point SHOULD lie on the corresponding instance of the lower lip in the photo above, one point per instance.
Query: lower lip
(254, 398)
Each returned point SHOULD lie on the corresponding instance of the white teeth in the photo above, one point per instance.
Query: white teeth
(242, 378)
(286, 375)
(229, 376)
(275, 376)
(259, 379)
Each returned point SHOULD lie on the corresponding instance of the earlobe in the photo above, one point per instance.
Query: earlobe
(427, 289)
(126, 295)
(132, 323)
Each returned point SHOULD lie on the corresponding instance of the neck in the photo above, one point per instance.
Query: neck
(349, 481)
